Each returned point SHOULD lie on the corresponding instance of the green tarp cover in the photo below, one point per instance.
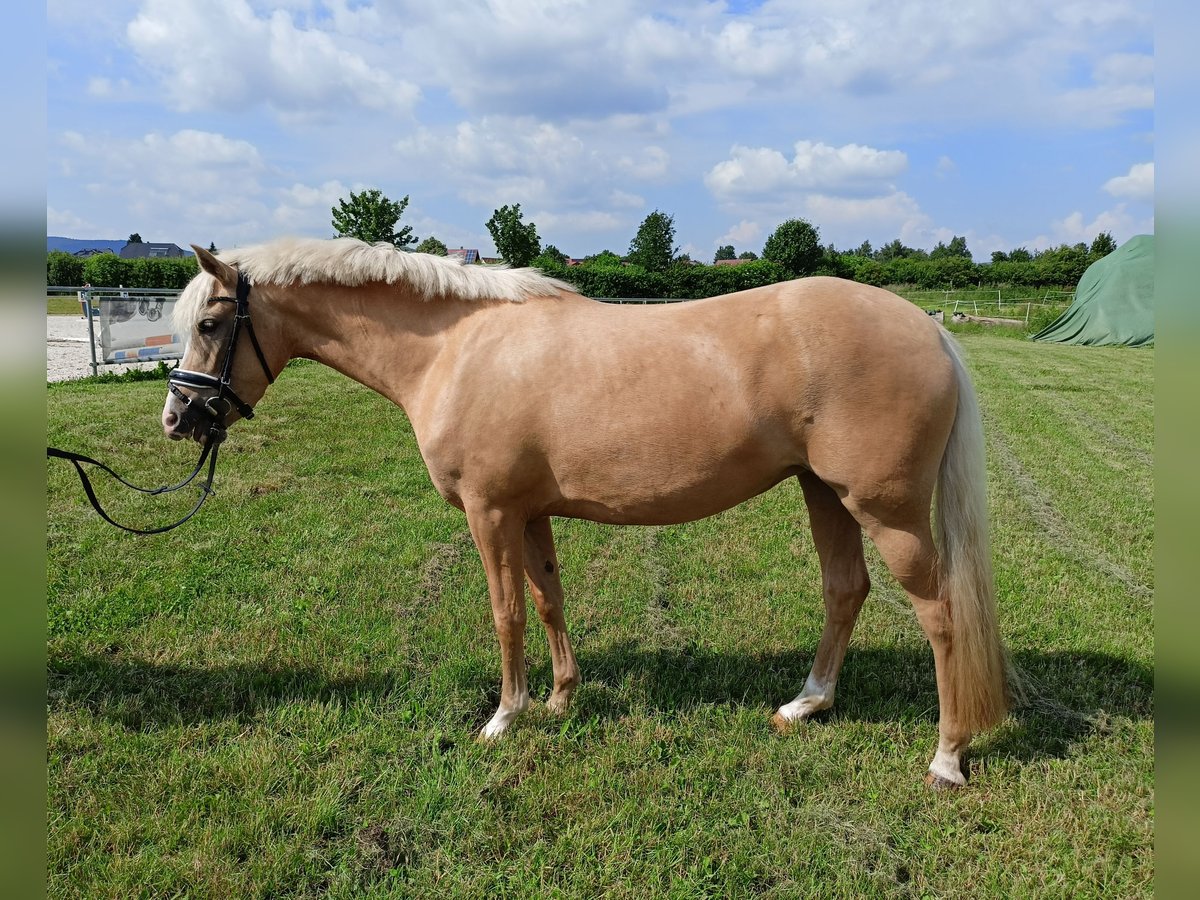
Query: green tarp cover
(1114, 303)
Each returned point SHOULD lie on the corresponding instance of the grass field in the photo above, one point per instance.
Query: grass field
(59, 305)
(279, 699)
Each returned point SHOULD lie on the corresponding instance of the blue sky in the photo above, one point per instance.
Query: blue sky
(1013, 123)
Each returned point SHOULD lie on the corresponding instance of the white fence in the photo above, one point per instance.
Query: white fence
(983, 302)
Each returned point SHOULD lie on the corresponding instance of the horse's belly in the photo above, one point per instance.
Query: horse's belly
(662, 491)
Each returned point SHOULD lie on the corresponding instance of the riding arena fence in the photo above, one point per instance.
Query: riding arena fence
(128, 325)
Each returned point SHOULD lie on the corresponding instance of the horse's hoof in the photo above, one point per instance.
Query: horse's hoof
(780, 724)
(940, 783)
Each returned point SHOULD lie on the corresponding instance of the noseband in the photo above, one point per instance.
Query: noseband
(217, 406)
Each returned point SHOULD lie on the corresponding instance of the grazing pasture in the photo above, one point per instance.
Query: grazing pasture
(280, 698)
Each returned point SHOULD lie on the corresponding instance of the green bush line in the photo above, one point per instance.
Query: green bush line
(606, 276)
(109, 270)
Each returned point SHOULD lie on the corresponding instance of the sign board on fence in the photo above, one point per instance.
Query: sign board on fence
(138, 329)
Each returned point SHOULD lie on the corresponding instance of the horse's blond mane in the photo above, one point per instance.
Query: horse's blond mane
(350, 262)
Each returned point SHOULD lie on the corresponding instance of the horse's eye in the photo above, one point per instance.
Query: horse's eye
(207, 325)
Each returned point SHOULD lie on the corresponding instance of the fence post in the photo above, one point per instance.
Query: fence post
(91, 335)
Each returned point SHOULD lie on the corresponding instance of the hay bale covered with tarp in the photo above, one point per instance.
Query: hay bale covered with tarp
(1114, 303)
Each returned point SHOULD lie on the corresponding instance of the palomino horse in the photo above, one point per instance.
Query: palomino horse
(530, 401)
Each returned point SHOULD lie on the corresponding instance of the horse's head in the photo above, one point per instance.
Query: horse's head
(228, 363)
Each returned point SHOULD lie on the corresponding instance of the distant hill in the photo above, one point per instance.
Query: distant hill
(74, 245)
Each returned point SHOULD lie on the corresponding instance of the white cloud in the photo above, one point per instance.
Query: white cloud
(625, 199)
(588, 221)
(568, 179)
(591, 113)
(755, 171)
(652, 162)
(1137, 185)
(747, 50)
(222, 54)
(304, 209)
(1120, 83)
(500, 160)
(326, 194)
(99, 87)
(1074, 228)
(895, 214)
(160, 184)
(744, 235)
(64, 222)
(557, 61)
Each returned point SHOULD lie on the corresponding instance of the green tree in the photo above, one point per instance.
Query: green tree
(516, 241)
(432, 245)
(212, 247)
(604, 259)
(134, 238)
(894, 250)
(553, 253)
(372, 217)
(1061, 265)
(795, 245)
(865, 250)
(653, 247)
(956, 248)
(1102, 246)
(724, 252)
(748, 254)
(1019, 254)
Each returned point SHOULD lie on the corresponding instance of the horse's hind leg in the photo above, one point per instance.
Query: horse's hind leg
(541, 568)
(838, 539)
(912, 557)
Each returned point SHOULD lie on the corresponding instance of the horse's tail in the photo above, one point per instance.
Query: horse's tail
(977, 661)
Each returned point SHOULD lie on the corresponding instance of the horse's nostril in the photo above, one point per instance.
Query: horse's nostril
(170, 419)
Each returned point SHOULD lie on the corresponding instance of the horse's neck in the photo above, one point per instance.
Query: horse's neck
(382, 337)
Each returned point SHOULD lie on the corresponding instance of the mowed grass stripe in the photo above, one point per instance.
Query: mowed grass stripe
(280, 699)
(1102, 491)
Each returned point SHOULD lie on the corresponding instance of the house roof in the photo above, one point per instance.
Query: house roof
(145, 249)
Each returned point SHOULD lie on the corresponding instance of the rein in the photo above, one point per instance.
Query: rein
(215, 407)
(76, 459)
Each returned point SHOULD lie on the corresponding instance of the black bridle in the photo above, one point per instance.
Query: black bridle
(215, 407)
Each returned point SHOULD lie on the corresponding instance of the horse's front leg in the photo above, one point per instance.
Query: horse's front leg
(499, 535)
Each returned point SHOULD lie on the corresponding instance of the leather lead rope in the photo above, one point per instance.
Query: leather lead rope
(77, 460)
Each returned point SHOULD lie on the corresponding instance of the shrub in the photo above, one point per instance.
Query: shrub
(64, 269)
(106, 270)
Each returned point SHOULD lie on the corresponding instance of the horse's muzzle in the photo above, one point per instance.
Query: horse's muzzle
(199, 424)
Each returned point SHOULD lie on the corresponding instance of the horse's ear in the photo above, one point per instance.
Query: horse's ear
(213, 266)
